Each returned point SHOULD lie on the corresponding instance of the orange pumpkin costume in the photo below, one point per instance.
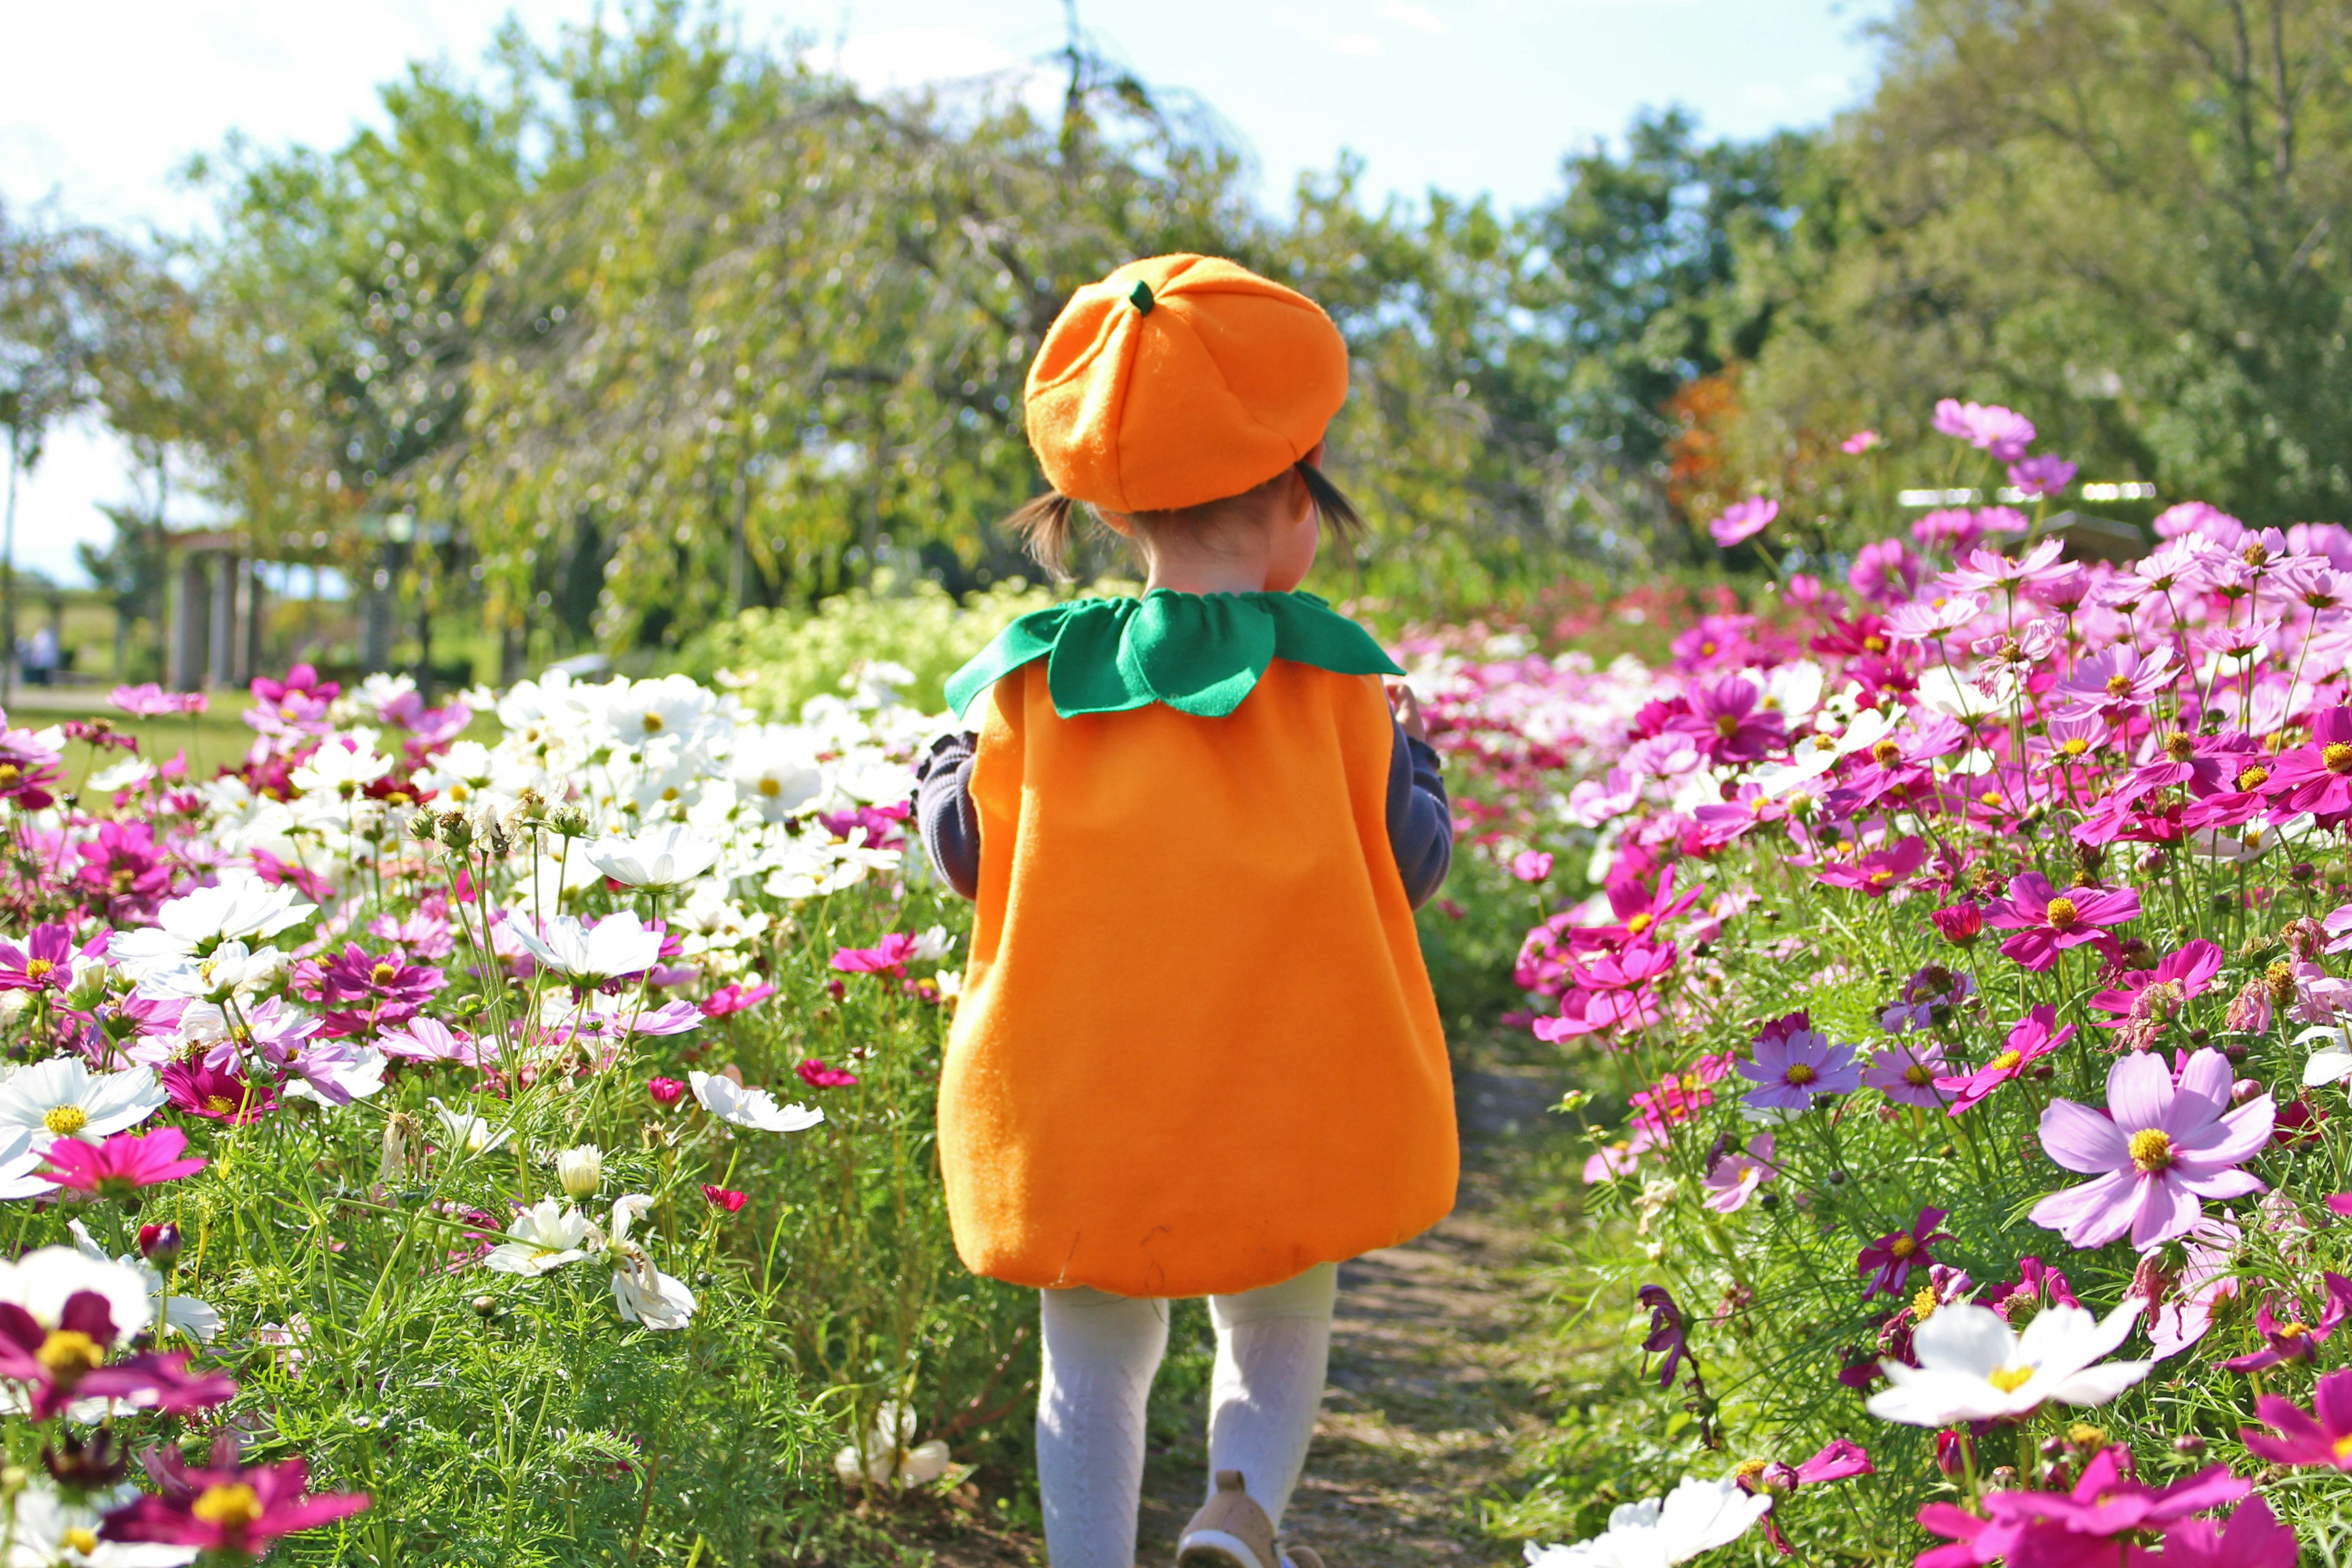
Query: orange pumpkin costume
(1196, 1052)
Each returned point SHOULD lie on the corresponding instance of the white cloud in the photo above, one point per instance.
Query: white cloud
(1420, 18)
(1356, 46)
(904, 57)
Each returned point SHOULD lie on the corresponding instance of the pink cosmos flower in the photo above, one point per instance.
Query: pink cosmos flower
(2292, 1339)
(2031, 1038)
(735, 998)
(2047, 922)
(1883, 572)
(665, 1092)
(2118, 682)
(1640, 909)
(423, 1039)
(1677, 1096)
(2146, 1000)
(152, 702)
(1734, 1177)
(1907, 1074)
(1616, 1158)
(123, 865)
(2254, 1537)
(1727, 723)
(2317, 777)
(1795, 1066)
(1858, 443)
(816, 1075)
(889, 956)
(361, 992)
(226, 1507)
(2077, 1529)
(1927, 620)
(216, 1093)
(2321, 1436)
(1889, 1259)
(57, 1367)
(1839, 1460)
(2038, 1286)
(1880, 872)
(1989, 569)
(44, 963)
(1531, 864)
(2158, 1148)
(2003, 432)
(1743, 520)
(725, 1199)
(1959, 923)
(2041, 475)
(125, 1162)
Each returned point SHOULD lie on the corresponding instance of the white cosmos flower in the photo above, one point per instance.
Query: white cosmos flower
(333, 770)
(51, 1532)
(129, 773)
(197, 1320)
(43, 1280)
(642, 1293)
(230, 970)
(1696, 1517)
(61, 1097)
(885, 1456)
(932, 944)
(660, 859)
(1974, 1367)
(580, 1171)
(20, 1156)
(618, 944)
(242, 908)
(466, 1130)
(2331, 1060)
(775, 769)
(755, 1107)
(544, 1237)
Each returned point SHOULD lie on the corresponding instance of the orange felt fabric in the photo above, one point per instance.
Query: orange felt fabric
(1226, 381)
(1196, 1052)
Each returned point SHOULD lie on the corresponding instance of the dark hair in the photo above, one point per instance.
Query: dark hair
(1047, 526)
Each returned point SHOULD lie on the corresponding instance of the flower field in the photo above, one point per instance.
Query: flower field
(1952, 961)
(433, 1139)
(424, 1150)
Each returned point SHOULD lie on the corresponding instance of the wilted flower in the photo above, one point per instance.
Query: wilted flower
(884, 1456)
(644, 1293)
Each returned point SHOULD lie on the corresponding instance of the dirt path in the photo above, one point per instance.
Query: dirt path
(1440, 1360)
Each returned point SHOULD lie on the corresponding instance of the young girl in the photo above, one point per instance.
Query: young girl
(1196, 1053)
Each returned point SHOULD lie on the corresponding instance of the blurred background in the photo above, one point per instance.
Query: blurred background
(419, 336)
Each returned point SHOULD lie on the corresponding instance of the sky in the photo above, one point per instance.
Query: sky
(101, 102)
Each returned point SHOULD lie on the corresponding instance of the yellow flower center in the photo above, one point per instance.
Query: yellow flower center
(1990, 798)
(1880, 879)
(2005, 1061)
(1749, 1469)
(2062, 913)
(1873, 645)
(2010, 1379)
(1689, 1083)
(219, 1104)
(10, 773)
(2118, 685)
(2253, 775)
(37, 967)
(1924, 1303)
(1886, 753)
(2082, 1434)
(2344, 1446)
(382, 974)
(68, 1353)
(771, 789)
(1725, 723)
(1799, 1074)
(2292, 1330)
(65, 1121)
(2074, 746)
(80, 1538)
(2338, 758)
(227, 1507)
(2151, 1150)
(653, 723)
(1903, 1246)
(1918, 1074)
(1639, 923)
(2180, 747)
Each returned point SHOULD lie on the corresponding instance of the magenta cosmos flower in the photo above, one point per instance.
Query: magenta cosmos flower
(125, 1162)
(2318, 777)
(1889, 1259)
(1726, 722)
(1743, 520)
(2081, 1527)
(2149, 999)
(225, 1506)
(2321, 1436)
(2254, 1537)
(816, 1075)
(2290, 1337)
(889, 956)
(2157, 1149)
(2048, 921)
(1794, 1066)
(1880, 872)
(2031, 1038)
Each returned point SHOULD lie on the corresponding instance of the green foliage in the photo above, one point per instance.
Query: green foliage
(792, 655)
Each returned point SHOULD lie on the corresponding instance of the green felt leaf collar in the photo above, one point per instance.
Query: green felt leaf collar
(1198, 653)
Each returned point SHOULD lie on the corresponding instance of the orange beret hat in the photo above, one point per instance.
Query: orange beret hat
(1180, 379)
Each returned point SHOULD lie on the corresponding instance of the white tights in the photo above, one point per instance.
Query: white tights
(1100, 1352)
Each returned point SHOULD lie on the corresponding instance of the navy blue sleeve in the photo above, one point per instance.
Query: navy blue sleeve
(944, 813)
(1421, 821)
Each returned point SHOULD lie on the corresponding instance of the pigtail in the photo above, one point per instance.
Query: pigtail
(1331, 504)
(1046, 529)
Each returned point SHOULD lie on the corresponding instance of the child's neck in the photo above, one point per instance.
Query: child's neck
(1243, 573)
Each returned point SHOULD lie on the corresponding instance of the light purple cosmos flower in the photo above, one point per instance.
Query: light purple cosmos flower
(1734, 1176)
(1906, 1074)
(1989, 569)
(2003, 432)
(1726, 721)
(2114, 683)
(2041, 475)
(1858, 443)
(1792, 1068)
(1743, 520)
(2157, 1149)
(1925, 620)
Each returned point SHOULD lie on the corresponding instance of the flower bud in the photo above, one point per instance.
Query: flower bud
(2188, 1444)
(569, 821)
(580, 1171)
(2004, 1477)
(456, 833)
(1951, 1453)
(423, 827)
(160, 1245)
(1959, 924)
(2244, 1089)
(486, 1306)
(665, 1092)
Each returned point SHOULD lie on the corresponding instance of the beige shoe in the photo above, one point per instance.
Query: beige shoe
(1230, 1532)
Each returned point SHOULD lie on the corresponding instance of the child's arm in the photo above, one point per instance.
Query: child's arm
(1421, 821)
(944, 813)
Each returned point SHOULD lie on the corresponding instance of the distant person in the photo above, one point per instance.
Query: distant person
(1196, 1054)
(41, 658)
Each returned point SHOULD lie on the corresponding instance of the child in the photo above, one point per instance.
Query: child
(1196, 1052)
